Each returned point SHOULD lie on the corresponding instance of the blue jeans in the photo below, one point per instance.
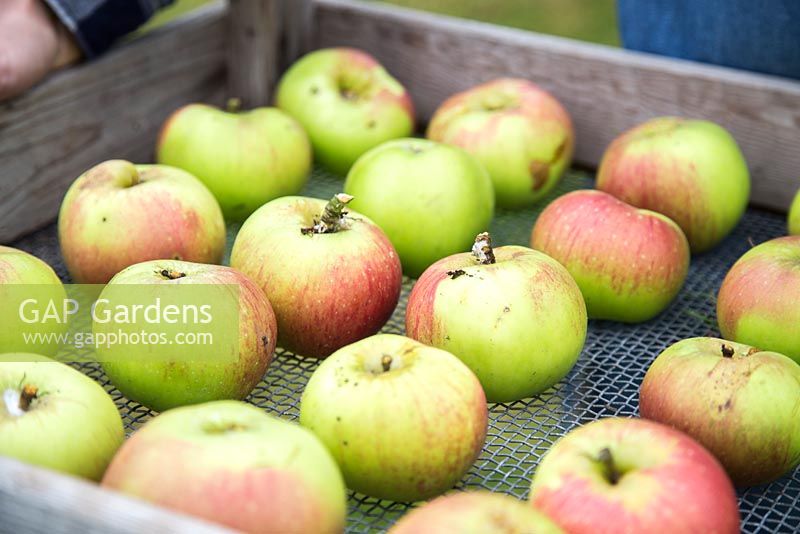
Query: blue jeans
(96, 24)
(756, 35)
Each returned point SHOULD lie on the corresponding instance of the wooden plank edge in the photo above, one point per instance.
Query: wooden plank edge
(39, 501)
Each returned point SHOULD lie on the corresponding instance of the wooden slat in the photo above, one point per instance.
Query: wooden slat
(38, 501)
(253, 50)
(108, 108)
(606, 90)
(265, 37)
(298, 23)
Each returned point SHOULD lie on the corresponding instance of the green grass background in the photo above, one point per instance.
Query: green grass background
(587, 20)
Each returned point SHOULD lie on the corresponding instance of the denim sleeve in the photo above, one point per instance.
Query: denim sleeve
(96, 24)
(756, 35)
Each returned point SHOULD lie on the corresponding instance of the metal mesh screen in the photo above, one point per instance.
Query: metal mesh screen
(604, 382)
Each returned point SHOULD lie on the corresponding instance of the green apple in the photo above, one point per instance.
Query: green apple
(344, 276)
(56, 417)
(514, 315)
(403, 420)
(32, 300)
(793, 220)
(347, 103)
(172, 372)
(692, 171)
(117, 214)
(231, 463)
(757, 301)
(739, 402)
(630, 263)
(518, 131)
(474, 512)
(245, 158)
(632, 475)
(430, 199)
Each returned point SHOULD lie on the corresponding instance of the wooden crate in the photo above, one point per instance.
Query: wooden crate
(113, 107)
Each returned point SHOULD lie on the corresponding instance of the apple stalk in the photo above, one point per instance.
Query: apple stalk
(612, 473)
(19, 402)
(233, 105)
(333, 218)
(482, 249)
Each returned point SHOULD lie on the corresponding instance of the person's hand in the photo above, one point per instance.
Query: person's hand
(32, 43)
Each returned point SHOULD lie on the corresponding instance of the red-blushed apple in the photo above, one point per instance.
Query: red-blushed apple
(27, 287)
(56, 417)
(629, 263)
(474, 512)
(793, 217)
(331, 275)
(403, 420)
(231, 463)
(758, 300)
(514, 315)
(245, 158)
(347, 103)
(692, 171)
(632, 475)
(430, 199)
(117, 214)
(740, 403)
(517, 130)
(176, 372)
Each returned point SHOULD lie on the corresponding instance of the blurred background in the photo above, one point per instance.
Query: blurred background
(587, 20)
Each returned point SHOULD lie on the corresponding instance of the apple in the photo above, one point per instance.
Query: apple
(430, 199)
(27, 286)
(757, 302)
(331, 275)
(737, 401)
(692, 171)
(117, 214)
(517, 130)
(403, 420)
(631, 475)
(245, 158)
(163, 375)
(793, 219)
(347, 103)
(474, 512)
(629, 263)
(56, 417)
(514, 315)
(231, 463)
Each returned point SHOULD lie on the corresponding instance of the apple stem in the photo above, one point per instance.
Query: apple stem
(333, 218)
(27, 395)
(18, 402)
(171, 274)
(233, 105)
(482, 249)
(386, 363)
(135, 177)
(727, 351)
(612, 473)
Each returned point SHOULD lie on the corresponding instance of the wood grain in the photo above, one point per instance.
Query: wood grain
(253, 50)
(39, 501)
(606, 90)
(298, 24)
(266, 36)
(108, 108)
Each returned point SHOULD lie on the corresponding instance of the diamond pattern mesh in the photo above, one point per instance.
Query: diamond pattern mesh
(604, 382)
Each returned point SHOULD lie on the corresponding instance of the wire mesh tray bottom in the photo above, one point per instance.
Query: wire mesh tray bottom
(604, 382)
